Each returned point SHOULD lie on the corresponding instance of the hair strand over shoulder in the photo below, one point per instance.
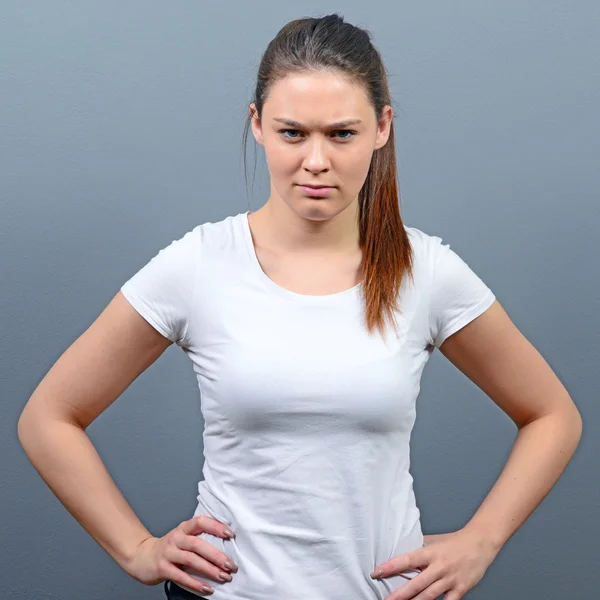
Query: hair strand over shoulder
(330, 44)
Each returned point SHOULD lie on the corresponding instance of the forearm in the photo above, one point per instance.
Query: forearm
(67, 461)
(539, 455)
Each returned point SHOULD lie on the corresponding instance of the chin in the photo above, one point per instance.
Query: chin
(319, 209)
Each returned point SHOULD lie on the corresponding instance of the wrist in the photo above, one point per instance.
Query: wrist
(488, 540)
(127, 559)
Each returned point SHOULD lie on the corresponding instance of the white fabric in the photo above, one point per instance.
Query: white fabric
(307, 418)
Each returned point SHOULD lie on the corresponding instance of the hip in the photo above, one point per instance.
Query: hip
(175, 592)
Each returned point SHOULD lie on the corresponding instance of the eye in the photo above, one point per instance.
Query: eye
(347, 131)
(286, 131)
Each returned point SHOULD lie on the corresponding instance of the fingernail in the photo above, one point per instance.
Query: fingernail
(207, 588)
(229, 565)
(228, 532)
(376, 573)
(224, 576)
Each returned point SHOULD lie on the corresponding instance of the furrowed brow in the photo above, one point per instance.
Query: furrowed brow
(338, 125)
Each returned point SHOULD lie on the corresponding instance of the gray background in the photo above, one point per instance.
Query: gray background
(120, 129)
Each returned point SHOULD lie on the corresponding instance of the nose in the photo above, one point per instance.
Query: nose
(316, 159)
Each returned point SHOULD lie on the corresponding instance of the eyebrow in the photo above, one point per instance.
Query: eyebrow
(339, 124)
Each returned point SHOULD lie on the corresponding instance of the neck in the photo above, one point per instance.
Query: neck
(290, 232)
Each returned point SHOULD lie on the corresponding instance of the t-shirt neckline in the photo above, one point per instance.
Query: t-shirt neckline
(327, 299)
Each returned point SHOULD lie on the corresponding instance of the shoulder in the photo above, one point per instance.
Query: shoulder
(423, 241)
(200, 240)
(426, 247)
(217, 235)
(180, 256)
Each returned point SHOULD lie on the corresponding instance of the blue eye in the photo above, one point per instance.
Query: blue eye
(286, 131)
(346, 131)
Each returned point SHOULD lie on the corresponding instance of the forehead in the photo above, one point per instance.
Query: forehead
(317, 99)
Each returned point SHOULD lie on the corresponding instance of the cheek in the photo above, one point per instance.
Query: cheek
(280, 160)
(355, 165)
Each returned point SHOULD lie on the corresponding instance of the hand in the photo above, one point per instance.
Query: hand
(451, 564)
(157, 559)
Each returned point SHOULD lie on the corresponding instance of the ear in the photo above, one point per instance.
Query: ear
(256, 124)
(383, 127)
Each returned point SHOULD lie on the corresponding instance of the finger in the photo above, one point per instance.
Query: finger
(423, 582)
(198, 564)
(453, 595)
(410, 573)
(207, 551)
(182, 578)
(205, 523)
(404, 562)
(433, 591)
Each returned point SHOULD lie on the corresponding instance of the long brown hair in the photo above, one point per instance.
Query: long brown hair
(328, 43)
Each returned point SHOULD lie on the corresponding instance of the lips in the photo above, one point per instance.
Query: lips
(317, 192)
(315, 187)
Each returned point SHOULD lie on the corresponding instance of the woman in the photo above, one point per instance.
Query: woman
(308, 324)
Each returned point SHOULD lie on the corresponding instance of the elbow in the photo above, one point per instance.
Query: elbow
(561, 410)
(569, 419)
(24, 425)
(28, 425)
(578, 423)
(574, 425)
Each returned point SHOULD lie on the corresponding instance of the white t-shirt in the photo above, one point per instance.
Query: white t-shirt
(307, 418)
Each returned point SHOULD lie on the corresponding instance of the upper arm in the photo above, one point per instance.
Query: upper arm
(151, 310)
(499, 359)
(99, 366)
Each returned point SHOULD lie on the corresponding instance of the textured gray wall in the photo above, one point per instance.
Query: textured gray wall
(121, 129)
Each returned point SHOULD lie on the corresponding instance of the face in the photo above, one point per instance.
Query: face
(306, 141)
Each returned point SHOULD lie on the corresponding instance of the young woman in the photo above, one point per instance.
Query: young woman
(308, 323)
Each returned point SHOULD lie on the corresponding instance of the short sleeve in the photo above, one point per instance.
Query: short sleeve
(457, 295)
(162, 290)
